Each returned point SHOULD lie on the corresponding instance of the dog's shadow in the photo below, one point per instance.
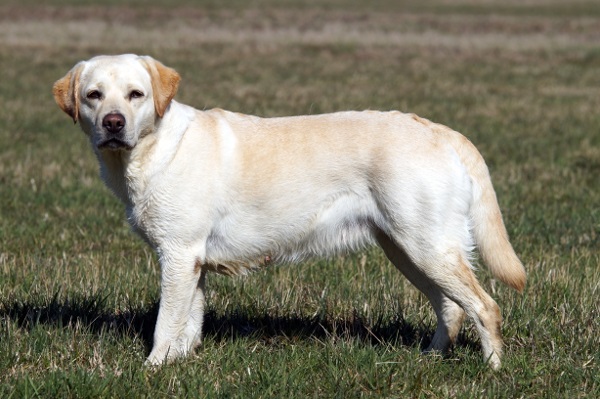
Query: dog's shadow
(89, 312)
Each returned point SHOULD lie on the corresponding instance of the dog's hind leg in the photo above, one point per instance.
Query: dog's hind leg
(459, 283)
(449, 314)
(445, 276)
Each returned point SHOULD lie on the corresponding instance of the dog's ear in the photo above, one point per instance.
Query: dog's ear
(165, 82)
(66, 92)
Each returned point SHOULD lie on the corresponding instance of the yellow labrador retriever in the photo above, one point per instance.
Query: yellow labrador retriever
(217, 191)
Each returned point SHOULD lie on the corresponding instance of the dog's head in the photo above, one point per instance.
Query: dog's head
(117, 99)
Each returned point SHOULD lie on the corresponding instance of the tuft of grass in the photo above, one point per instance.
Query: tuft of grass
(79, 292)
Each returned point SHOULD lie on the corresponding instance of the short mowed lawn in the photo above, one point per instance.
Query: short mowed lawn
(79, 291)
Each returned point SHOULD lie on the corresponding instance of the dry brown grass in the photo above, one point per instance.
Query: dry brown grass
(184, 27)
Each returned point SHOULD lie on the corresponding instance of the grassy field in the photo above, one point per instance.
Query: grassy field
(79, 292)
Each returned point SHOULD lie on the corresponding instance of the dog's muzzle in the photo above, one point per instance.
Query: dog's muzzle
(113, 125)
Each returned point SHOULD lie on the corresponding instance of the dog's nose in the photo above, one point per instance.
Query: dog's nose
(113, 123)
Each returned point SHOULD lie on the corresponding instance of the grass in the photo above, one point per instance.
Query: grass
(79, 292)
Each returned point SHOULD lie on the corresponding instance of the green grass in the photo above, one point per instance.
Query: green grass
(79, 292)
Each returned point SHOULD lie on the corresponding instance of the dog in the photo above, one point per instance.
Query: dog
(218, 191)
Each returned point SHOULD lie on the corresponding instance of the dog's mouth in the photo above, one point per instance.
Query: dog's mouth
(114, 144)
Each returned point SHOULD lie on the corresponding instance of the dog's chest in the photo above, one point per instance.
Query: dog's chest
(143, 205)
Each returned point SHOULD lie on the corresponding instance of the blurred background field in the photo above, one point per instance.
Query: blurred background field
(78, 291)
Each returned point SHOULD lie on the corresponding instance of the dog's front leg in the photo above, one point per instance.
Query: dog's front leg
(181, 308)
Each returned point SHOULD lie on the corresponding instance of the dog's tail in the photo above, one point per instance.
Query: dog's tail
(488, 227)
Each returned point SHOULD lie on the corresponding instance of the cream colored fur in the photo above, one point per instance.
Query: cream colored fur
(217, 191)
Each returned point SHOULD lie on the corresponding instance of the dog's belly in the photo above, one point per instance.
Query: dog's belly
(342, 223)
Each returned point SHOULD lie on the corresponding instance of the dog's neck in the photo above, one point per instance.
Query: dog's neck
(113, 166)
(124, 171)
(118, 169)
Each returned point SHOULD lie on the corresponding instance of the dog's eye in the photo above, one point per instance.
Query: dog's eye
(94, 95)
(135, 94)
